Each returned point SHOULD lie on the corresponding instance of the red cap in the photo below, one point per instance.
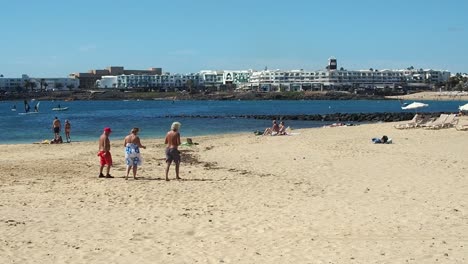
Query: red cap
(107, 129)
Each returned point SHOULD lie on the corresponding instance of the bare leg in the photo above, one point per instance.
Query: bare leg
(128, 172)
(168, 165)
(108, 170)
(177, 170)
(135, 168)
(100, 170)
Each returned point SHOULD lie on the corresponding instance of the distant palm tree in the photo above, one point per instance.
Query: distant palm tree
(189, 85)
(27, 84)
(42, 83)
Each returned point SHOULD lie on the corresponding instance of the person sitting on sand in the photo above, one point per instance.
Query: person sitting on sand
(282, 129)
(133, 157)
(57, 140)
(273, 131)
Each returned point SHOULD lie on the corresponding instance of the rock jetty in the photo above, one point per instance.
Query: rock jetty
(336, 117)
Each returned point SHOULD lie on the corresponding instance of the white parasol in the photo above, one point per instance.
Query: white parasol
(413, 105)
(463, 107)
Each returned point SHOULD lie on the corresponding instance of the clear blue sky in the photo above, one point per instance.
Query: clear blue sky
(52, 38)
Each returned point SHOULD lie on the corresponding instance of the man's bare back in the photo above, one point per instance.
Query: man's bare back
(172, 139)
(56, 123)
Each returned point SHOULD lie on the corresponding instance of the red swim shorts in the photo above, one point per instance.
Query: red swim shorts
(105, 158)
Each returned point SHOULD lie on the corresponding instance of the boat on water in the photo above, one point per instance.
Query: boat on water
(27, 108)
(60, 109)
(28, 113)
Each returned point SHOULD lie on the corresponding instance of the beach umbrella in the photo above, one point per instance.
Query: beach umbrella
(463, 107)
(413, 106)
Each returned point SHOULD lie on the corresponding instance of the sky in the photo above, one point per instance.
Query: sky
(52, 38)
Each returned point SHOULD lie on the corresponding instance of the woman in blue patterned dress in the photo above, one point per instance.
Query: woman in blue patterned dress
(133, 157)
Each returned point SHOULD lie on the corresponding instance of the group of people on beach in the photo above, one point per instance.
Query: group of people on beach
(56, 127)
(133, 158)
(276, 129)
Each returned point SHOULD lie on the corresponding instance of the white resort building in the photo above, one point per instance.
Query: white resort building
(35, 83)
(279, 80)
(332, 78)
(168, 81)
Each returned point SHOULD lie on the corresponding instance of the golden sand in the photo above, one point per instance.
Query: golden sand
(324, 195)
(438, 96)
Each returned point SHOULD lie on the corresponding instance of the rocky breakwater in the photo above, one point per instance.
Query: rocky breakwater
(336, 117)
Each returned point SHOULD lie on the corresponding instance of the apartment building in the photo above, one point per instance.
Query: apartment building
(37, 83)
(88, 79)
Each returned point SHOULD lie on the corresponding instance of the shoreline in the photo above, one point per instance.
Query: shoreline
(83, 95)
(171, 96)
(433, 96)
(143, 138)
(316, 121)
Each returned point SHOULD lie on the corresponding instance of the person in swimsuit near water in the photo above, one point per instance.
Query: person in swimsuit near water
(67, 130)
(56, 127)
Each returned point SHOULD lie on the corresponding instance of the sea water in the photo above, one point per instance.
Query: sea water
(88, 118)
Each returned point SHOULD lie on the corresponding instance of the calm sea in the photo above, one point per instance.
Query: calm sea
(89, 117)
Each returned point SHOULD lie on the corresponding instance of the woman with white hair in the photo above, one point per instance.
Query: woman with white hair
(172, 153)
(133, 157)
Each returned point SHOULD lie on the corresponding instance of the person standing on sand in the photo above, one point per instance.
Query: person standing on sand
(67, 130)
(56, 127)
(133, 157)
(104, 153)
(172, 153)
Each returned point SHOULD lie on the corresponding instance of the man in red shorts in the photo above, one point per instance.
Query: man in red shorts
(104, 153)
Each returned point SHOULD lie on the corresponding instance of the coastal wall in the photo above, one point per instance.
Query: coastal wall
(345, 117)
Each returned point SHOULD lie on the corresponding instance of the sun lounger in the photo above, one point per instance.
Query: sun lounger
(462, 127)
(411, 124)
(438, 122)
(450, 121)
(416, 122)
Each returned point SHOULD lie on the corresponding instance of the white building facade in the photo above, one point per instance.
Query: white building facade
(279, 80)
(34, 83)
(202, 78)
(276, 80)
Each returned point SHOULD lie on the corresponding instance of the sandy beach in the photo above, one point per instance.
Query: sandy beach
(325, 195)
(440, 96)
